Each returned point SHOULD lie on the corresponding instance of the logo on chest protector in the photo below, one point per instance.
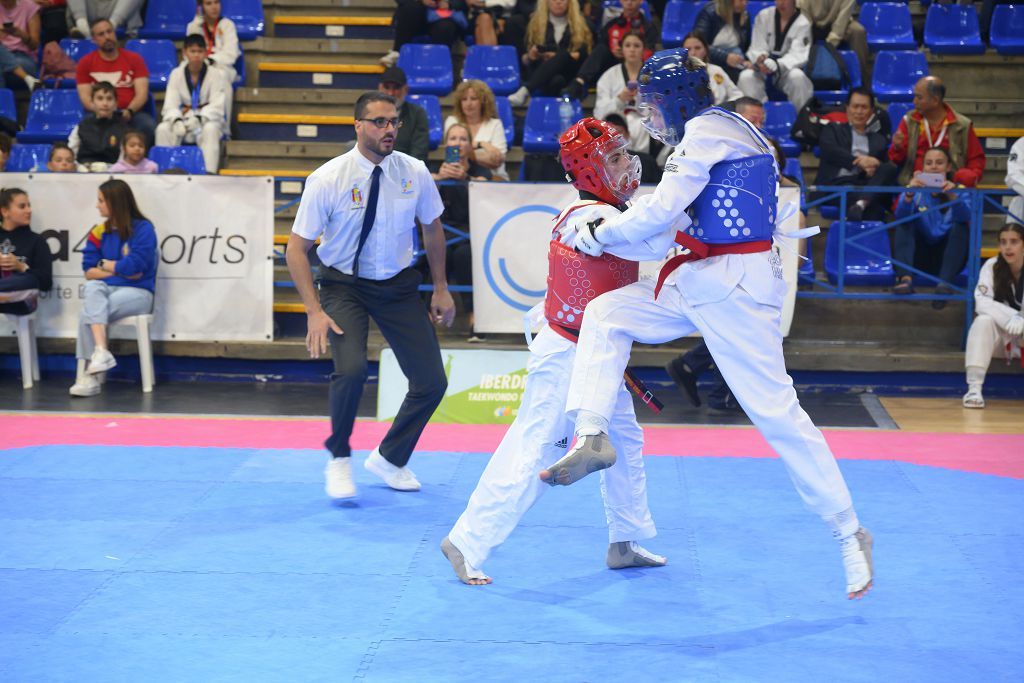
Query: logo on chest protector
(776, 261)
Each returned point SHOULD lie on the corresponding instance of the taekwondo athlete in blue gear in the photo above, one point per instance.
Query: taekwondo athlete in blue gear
(720, 186)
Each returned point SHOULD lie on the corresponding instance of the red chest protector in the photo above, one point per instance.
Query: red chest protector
(574, 279)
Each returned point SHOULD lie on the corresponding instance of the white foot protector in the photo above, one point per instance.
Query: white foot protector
(860, 571)
(631, 554)
(465, 571)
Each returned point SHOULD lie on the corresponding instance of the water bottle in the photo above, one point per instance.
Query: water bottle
(565, 113)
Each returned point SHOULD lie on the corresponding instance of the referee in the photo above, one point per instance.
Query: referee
(363, 206)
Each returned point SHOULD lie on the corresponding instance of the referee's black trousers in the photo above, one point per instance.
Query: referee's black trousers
(395, 305)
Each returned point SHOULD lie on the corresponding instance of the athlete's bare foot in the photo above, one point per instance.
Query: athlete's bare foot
(589, 454)
(466, 573)
(860, 571)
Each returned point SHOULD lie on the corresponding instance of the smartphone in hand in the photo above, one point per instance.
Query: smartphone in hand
(452, 154)
(932, 179)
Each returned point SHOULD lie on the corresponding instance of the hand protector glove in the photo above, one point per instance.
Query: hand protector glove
(192, 122)
(586, 239)
(1015, 327)
(178, 128)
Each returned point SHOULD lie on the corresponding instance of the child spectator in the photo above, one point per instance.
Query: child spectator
(722, 86)
(96, 140)
(725, 24)
(475, 109)
(221, 43)
(25, 260)
(119, 260)
(19, 41)
(194, 104)
(133, 157)
(999, 326)
(936, 241)
(557, 41)
(62, 159)
(608, 46)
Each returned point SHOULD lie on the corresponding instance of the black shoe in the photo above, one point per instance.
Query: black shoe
(575, 91)
(855, 213)
(944, 290)
(729, 405)
(684, 379)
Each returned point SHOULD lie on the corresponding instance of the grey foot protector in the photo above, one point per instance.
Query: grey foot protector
(866, 542)
(593, 455)
(621, 556)
(457, 561)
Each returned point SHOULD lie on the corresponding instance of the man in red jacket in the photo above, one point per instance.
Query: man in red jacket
(933, 123)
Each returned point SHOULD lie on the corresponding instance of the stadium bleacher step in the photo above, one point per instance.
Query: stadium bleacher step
(319, 75)
(316, 50)
(296, 127)
(346, 28)
(353, 8)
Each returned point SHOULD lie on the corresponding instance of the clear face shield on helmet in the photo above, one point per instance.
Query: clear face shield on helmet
(619, 170)
(652, 108)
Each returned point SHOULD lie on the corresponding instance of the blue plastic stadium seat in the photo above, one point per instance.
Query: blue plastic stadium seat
(76, 49)
(7, 108)
(794, 169)
(188, 158)
(505, 114)
(679, 18)
(247, 15)
(888, 26)
(861, 269)
(853, 69)
(428, 68)
(432, 106)
(778, 121)
(28, 158)
(160, 56)
(167, 19)
(51, 116)
(754, 8)
(239, 70)
(897, 110)
(1007, 34)
(543, 123)
(495, 65)
(953, 30)
(895, 74)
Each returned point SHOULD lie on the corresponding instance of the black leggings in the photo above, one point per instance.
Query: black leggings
(550, 77)
(410, 20)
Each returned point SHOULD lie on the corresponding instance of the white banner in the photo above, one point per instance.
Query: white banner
(510, 226)
(215, 280)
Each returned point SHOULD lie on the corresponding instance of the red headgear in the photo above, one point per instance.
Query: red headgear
(588, 152)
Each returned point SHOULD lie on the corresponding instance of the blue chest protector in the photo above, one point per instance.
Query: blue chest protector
(738, 204)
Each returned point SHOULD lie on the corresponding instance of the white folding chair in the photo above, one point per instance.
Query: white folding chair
(27, 349)
(141, 324)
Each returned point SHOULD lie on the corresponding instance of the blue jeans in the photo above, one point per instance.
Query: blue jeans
(11, 60)
(105, 304)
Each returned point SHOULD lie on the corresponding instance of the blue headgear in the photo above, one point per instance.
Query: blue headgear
(673, 89)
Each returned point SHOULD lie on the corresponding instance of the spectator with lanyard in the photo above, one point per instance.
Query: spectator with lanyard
(221, 37)
(779, 48)
(999, 327)
(19, 41)
(558, 39)
(725, 24)
(608, 46)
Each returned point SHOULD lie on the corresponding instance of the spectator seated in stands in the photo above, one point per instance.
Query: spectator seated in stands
(19, 42)
(445, 21)
(607, 50)
(194, 104)
(557, 41)
(458, 168)
(475, 109)
(487, 19)
(5, 150)
(513, 27)
(722, 87)
(935, 242)
(414, 134)
(62, 159)
(853, 155)
(1015, 181)
(833, 22)
(933, 123)
(53, 20)
(725, 24)
(96, 140)
(752, 110)
(26, 264)
(125, 70)
(779, 48)
(126, 14)
(649, 170)
(616, 92)
(120, 261)
(221, 37)
(999, 327)
(133, 156)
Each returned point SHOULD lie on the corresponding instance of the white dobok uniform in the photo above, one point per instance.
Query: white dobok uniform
(541, 434)
(733, 300)
(988, 336)
(205, 123)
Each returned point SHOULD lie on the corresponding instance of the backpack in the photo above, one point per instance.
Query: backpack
(812, 118)
(56, 64)
(826, 68)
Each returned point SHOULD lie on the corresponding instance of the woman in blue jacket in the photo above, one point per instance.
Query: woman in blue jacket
(119, 260)
(934, 241)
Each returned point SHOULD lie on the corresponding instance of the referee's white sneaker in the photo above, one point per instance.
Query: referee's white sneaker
(860, 571)
(398, 478)
(338, 477)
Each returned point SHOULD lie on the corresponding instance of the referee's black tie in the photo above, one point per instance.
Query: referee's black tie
(368, 218)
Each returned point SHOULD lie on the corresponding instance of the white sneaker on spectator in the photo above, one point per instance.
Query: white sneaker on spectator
(86, 386)
(519, 97)
(389, 59)
(81, 29)
(101, 361)
(31, 82)
(338, 477)
(398, 478)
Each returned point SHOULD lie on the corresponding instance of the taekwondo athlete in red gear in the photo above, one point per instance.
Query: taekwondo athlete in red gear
(720, 184)
(598, 164)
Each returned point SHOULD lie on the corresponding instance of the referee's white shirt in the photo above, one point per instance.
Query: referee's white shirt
(334, 203)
